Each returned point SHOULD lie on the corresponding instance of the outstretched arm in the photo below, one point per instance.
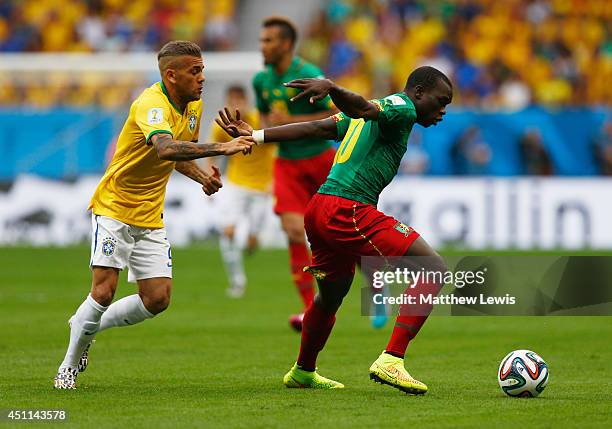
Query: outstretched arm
(353, 105)
(234, 126)
(276, 118)
(321, 129)
(176, 150)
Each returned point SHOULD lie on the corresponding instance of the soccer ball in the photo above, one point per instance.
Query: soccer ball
(522, 373)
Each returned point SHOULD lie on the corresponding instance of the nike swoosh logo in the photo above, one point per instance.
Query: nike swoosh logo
(392, 374)
(89, 333)
(297, 382)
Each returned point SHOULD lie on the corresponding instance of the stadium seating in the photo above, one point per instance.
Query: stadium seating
(522, 70)
(500, 54)
(101, 26)
(113, 25)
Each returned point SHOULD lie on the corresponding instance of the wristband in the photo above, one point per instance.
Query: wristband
(258, 135)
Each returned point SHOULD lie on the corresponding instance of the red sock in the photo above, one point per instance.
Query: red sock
(410, 319)
(406, 328)
(299, 258)
(316, 327)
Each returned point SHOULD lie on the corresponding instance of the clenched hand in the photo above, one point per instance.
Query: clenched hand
(212, 183)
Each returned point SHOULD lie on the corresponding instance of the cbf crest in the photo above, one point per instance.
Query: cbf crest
(192, 121)
(109, 245)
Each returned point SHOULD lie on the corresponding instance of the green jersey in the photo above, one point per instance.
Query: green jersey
(370, 153)
(270, 93)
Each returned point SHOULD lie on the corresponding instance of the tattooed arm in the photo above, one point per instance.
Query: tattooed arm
(210, 182)
(176, 150)
(191, 170)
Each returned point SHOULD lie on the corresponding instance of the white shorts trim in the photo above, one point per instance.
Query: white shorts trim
(145, 252)
(239, 205)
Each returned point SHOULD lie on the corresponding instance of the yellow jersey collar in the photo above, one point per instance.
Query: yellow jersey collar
(165, 91)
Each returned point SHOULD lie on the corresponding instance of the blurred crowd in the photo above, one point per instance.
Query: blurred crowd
(46, 90)
(101, 26)
(500, 54)
(114, 25)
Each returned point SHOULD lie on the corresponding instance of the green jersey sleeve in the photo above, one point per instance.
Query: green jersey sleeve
(397, 114)
(342, 125)
(261, 104)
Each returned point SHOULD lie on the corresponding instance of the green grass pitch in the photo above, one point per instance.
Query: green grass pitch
(209, 361)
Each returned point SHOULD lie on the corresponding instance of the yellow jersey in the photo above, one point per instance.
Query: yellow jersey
(134, 186)
(252, 171)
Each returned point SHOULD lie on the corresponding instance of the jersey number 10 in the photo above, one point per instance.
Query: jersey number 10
(350, 139)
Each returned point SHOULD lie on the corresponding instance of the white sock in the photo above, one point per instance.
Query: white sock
(126, 311)
(83, 327)
(232, 258)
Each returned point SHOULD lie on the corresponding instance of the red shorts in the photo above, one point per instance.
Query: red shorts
(340, 231)
(297, 180)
